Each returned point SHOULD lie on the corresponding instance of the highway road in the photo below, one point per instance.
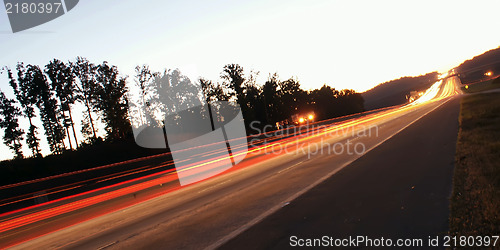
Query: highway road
(274, 178)
(403, 195)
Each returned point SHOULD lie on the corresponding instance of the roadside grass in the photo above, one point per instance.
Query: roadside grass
(482, 86)
(475, 201)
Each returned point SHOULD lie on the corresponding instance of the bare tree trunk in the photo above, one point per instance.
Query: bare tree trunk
(64, 145)
(35, 150)
(69, 139)
(73, 127)
(90, 118)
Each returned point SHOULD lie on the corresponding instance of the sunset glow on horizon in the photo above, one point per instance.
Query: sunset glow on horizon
(344, 44)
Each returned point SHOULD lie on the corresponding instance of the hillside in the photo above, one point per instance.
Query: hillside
(474, 69)
(487, 58)
(394, 92)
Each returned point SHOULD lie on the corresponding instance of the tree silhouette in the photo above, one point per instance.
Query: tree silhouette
(324, 102)
(13, 135)
(175, 92)
(85, 71)
(213, 91)
(243, 91)
(235, 79)
(26, 96)
(63, 83)
(47, 105)
(144, 79)
(329, 102)
(256, 107)
(112, 102)
(104, 94)
(271, 99)
(212, 94)
(292, 97)
(350, 102)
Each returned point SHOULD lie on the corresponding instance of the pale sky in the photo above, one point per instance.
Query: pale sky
(345, 44)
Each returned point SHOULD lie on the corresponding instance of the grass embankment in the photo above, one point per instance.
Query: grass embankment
(482, 86)
(475, 202)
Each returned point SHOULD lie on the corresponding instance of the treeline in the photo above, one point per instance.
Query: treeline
(477, 68)
(488, 58)
(105, 95)
(261, 104)
(54, 89)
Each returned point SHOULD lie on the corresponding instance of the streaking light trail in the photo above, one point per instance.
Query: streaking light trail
(18, 221)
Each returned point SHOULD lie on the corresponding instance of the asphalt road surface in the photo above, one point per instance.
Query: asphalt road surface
(399, 190)
(392, 176)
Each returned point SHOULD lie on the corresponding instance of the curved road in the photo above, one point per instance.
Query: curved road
(234, 207)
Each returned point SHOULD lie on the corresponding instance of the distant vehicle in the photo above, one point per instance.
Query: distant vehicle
(297, 119)
(303, 118)
(414, 95)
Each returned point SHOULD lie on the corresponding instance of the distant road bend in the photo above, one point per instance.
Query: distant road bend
(152, 211)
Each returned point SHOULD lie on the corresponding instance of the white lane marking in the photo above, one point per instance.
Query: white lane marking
(108, 245)
(272, 210)
(296, 164)
(211, 187)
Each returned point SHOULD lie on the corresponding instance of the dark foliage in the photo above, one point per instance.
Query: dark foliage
(13, 134)
(475, 69)
(111, 91)
(62, 82)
